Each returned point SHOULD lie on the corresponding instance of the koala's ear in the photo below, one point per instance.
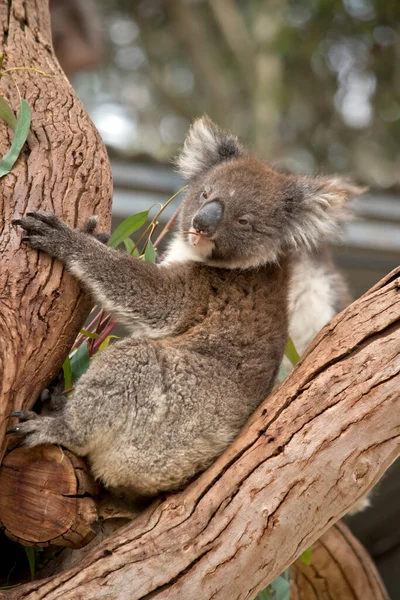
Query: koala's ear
(205, 146)
(318, 209)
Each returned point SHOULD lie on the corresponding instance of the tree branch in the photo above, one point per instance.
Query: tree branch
(314, 447)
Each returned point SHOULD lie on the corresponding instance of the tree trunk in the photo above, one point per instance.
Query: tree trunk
(313, 448)
(63, 168)
(340, 569)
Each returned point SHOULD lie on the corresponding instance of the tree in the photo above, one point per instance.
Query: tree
(63, 168)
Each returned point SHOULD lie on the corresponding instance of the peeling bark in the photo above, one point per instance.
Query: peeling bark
(62, 168)
(313, 448)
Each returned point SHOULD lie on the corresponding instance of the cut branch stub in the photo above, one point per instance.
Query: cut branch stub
(63, 168)
(47, 497)
(340, 569)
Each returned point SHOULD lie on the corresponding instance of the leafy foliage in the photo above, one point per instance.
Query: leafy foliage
(21, 131)
(279, 589)
(127, 227)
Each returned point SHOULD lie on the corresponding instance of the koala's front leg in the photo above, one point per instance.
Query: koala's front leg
(48, 233)
(133, 290)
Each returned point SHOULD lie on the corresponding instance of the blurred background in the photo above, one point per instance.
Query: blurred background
(313, 86)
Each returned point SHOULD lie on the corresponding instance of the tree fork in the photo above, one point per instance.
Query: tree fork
(63, 168)
(313, 448)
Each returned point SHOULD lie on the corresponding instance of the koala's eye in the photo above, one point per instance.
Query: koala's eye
(204, 195)
(243, 221)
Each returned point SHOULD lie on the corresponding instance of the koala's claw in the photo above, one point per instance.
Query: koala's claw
(38, 222)
(23, 415)
(29, 426)
(48, 218)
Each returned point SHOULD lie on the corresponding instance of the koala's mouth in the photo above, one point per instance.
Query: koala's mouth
(200, 242)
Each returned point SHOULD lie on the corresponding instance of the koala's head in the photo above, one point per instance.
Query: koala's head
(241, 212)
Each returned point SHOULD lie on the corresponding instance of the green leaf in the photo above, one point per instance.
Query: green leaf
(130, 247)
(281, 587)
(67, 373)
(291, 352)
(89, 334)
(283, 373)
(10, 587)
(30, 554)
(306, 556)
(7, 114)
(127, 227)
(79, 361)
(265, 594)
(106, 342)
(150, 253)
(19, 139)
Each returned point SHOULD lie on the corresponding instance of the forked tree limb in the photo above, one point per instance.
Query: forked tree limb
(63, 168)
(314, 447)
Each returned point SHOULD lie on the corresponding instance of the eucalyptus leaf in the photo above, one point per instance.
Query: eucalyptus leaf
(281, 587)
(291, 352)
(130, 247)
(89, 334)
(67, 373)
(107, 341)
(150, 253)
(7, 114)
(19, 139)
(127, 227)
(283, 373)
(306, 556)
(265, 594)
(31, 556)
(79, 361)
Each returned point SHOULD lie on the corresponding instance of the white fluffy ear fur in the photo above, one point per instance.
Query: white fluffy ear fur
(205, 146)
(321, 210)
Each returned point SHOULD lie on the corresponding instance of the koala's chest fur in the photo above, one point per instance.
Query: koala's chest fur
(237, 318)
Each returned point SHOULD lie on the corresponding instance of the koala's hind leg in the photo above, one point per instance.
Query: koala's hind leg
(39, 429)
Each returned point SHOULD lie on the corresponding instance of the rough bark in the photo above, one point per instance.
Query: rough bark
(340, 569)
(63, 168)
(314, 447)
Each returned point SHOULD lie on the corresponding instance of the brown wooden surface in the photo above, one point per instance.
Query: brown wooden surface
(314, 447)
(340, 569)
(63, 168)
(47, 497)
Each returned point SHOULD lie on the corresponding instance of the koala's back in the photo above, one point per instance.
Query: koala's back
(317, 292)
(153, 413)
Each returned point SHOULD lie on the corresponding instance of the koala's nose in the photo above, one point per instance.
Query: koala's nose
(208, 217)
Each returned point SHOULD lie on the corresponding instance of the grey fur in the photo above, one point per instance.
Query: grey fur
(154, 410)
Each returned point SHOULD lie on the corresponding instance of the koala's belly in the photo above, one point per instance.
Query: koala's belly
(160, 467)
(154, 417)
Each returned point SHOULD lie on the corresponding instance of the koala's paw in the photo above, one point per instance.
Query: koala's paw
(29, 426)
(47, 232)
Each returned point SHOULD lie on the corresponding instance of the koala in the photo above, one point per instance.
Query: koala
(208, 325)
